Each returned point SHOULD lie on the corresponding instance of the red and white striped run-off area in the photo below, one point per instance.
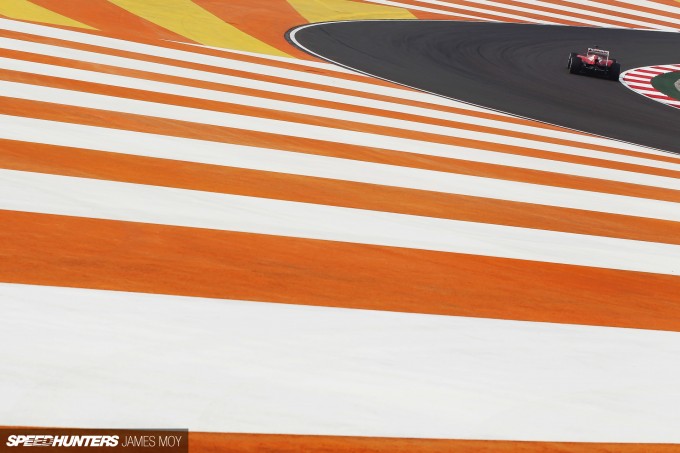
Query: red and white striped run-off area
(640, 81)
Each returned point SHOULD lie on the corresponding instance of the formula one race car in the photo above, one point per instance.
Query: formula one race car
(595, 62)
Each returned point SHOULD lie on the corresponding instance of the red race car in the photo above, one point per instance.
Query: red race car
(595, 62)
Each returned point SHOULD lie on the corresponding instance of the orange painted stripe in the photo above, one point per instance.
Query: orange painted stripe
(139, 123)
(320, 121)
(210, 178)
(100, 254)
(425, 15)
(331, 89)
(319, 103)
(270, 443)
(266, 20)
(110, 19)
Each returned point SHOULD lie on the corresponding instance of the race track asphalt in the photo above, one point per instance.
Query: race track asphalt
(514, 68)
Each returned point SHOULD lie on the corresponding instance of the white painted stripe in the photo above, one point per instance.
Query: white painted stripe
(639, 73)
(610, 15)
(425, 9)
(652, 93)
(220, 62)
(651, 5)
(653, 71)
(322, 112)
(613, 8)
(639, 84)
(660, 8)
(289, 60)
(129, 106)
(492, 12)
(657, 97)
(513, 7)
(637, 78)
(163, 147)
(255, 367)
(61, 195)
(91, 57)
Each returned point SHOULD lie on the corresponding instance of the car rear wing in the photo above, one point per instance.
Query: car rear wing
(599, 52)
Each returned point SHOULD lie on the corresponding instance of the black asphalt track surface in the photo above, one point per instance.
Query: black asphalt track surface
(514, 68)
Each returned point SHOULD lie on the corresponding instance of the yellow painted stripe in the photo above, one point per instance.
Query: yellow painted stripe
(327, 10)
(25, 10)
(186, 18)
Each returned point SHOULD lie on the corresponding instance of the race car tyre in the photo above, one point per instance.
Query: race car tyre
(571, 57)
(614, 71)
(575, 65)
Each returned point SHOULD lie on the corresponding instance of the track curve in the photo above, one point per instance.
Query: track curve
(514, 68)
